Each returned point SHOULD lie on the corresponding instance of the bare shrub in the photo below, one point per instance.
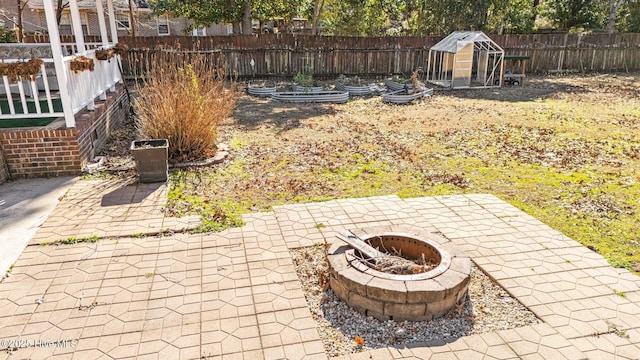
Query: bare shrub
(183, 98)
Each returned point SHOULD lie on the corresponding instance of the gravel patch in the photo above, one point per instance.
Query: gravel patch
(343, 330)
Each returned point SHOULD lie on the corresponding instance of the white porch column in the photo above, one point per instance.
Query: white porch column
(102, 23)
(103, 35)
(77, 25)
(61, 72)
(112, 22)
(114, 32)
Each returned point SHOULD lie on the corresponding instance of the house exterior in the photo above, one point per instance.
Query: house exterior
(145, 24)
(75, 88)
(54, 115)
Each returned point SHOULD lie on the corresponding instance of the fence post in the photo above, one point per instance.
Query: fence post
(396, 59)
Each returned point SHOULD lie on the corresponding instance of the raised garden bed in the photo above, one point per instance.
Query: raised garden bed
(307, 89)
(403, 96)
(312, 97)
(394, 85)
(354, 90)
(261, 89)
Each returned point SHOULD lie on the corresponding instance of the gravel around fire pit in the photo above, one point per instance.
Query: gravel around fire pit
(343, 330)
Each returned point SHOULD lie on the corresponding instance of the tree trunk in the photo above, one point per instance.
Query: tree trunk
(132, 20)
(534, 7)
(58, 14)
(614, 6)
(246, 18)
(59, 6)
(20, 27)
(317, 12)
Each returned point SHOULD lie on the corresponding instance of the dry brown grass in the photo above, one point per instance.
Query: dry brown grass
(183, 99)
(564, 149)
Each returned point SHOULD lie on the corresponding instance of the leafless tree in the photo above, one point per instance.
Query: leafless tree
(60, 6)
(21, 5)
(132, 20)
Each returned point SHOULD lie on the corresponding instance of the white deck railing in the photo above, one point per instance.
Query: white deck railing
(86, 86)
(35, 98)
(16, 105)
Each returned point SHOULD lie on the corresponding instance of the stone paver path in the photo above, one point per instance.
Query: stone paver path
(235, 294)
(111, 209)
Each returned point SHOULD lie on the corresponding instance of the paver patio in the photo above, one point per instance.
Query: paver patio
(235, 294)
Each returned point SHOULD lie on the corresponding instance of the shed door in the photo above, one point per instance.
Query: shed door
(463, 66)
(483, 61)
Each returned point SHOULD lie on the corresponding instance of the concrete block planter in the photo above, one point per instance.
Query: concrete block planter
(151, 158)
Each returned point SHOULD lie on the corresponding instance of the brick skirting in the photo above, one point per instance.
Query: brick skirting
(4, 170)
(55, 150)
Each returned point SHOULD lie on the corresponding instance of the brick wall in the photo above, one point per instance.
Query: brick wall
(4, 171)
(34, 152)
(94, 127)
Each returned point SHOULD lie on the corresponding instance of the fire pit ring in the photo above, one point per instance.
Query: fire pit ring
(415, 297)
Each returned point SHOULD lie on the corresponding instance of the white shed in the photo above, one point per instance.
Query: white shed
(465, 59)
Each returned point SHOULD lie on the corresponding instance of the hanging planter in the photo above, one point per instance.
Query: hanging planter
(81, 63)
(120, 49)
(28, 70)
(108, 54)
(105, 54)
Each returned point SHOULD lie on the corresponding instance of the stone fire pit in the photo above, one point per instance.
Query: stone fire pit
(415, 297)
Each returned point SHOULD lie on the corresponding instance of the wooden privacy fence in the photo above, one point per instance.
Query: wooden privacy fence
(575, 52)
(269, 55)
